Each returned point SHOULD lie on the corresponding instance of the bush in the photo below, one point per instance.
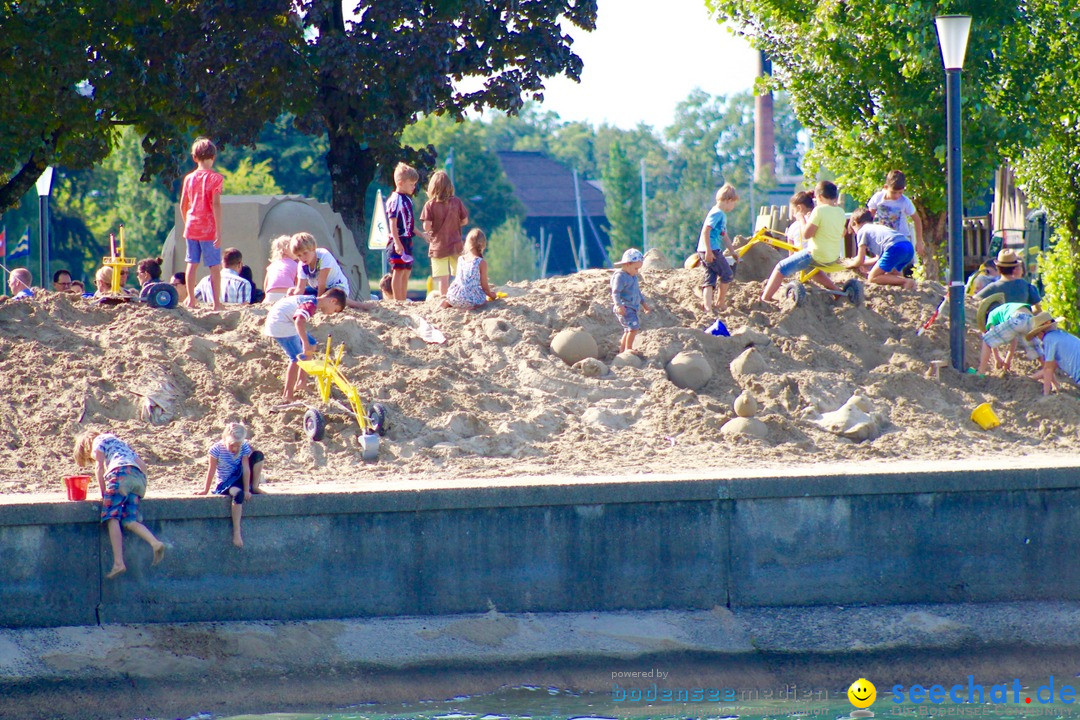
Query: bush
(1060, 268)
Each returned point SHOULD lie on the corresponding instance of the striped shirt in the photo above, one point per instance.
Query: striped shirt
(234, 289)
(227, 463)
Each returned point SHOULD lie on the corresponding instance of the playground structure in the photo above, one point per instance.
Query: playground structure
(794, 291)
(327, 374)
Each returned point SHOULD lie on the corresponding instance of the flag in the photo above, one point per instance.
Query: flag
(3, 242)
(379, 237)
(22, 247)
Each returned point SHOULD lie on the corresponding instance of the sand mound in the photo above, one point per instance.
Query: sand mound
(494, 399)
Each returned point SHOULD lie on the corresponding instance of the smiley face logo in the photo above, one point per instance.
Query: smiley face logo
(862, 693)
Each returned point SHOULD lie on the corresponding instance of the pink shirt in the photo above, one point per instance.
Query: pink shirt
(281, 274)
(200, 189)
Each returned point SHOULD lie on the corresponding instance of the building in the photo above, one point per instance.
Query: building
(546, 189)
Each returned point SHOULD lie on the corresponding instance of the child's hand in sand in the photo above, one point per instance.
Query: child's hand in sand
(645, 308)
(622, 310)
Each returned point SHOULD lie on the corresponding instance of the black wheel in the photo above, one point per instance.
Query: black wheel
(160, 295)
(855, 291)
(315, 425)
(793, 293)
(377, 417)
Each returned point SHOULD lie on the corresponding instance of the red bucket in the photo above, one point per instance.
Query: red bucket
(76, 486)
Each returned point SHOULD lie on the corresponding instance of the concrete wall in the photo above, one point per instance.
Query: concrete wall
(601, 545)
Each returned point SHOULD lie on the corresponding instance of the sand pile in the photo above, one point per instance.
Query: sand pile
(495, 400)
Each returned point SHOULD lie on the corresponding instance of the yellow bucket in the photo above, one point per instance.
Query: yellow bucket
(985, 416)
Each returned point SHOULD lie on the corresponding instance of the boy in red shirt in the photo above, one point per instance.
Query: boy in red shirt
(200, 204)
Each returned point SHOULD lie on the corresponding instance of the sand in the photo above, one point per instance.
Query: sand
(494, 401)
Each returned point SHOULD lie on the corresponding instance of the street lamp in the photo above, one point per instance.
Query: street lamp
(953, 37)
(44, 189)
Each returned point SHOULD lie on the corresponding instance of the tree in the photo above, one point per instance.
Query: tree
(75, 71)
(866, 81)
(250, 178)
(511, 255)
(622, 201)
(367, 86)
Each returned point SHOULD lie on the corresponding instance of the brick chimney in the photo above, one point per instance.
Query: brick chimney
(764, 128)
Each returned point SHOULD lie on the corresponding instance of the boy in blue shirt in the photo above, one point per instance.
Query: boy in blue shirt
(626, 296)
(714, 238)
(890, 252)
(1059, 350)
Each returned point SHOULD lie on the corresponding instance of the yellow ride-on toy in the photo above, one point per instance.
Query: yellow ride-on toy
(158, 295)
(794, 291)
(327, 373)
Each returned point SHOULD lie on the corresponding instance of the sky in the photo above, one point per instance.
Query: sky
(644, 57)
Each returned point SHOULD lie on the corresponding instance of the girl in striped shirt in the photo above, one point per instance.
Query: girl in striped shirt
(238, 469)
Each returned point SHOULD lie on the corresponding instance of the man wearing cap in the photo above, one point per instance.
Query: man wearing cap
(1012, 283)
(1059, 350)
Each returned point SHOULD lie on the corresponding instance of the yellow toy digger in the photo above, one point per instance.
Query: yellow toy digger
(794, 291)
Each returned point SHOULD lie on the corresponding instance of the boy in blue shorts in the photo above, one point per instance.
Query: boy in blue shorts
(200, 205)
(287, 323)
(889, 251)
(714, 238)
(399, 213)
(626, 296)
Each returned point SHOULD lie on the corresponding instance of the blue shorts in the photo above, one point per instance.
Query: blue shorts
(896, 256)
(294, 346)
(794, 263)
(629, 321)
(718, 269)
(202, 251)
(396, 261)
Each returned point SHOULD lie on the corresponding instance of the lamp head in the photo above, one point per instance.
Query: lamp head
(952, 33)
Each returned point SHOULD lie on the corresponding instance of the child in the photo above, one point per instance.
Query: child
(200, 205)
(148, 271)
(319, 270)
(626, 296)
(443, 217)
(986, 274)
(233, 288)
(1006, 324)
(801, 205)
(1012, 282)
(78, 287)
(890, 252)
(179, 281)
(893, 209)
(1059, 349)
(824, 233)
(121, 476)
(470, 288)
(281, 272)
(238, 468)
(385, 286)
(713, 236)
(287, 323)
(399, 213)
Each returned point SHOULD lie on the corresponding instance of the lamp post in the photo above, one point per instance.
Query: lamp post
(953, 37)
(44, 189)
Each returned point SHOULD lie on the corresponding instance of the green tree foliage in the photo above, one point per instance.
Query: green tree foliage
(296, 161)
(866, 81)
(250, 178)
(511, 254)
(622, 202)
(1060, 268)
(75, 71)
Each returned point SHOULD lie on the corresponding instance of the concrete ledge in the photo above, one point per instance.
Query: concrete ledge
(553, 545)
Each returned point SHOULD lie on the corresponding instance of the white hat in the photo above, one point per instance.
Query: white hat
(632, 255)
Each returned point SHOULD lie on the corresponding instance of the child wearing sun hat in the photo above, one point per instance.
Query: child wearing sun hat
(626, 297)
(1060, 350)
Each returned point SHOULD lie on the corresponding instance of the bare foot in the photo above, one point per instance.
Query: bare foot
(159, 553)
(117, 570)
(910, 283)
(219, 308)
(238, 541)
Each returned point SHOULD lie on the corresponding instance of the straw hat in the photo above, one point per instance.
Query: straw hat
(1042, 321)
(1008, 259)
(986, 307)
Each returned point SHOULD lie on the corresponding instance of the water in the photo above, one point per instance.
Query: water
(548, 703)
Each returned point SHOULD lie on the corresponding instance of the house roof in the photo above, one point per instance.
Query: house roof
(546, 187)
